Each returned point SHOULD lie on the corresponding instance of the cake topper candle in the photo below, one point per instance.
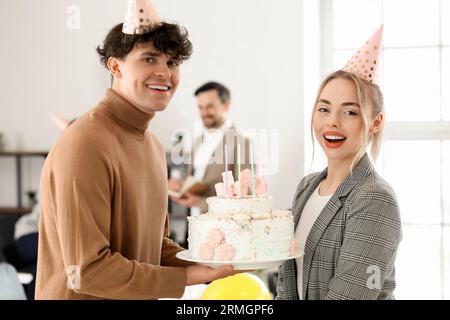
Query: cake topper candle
(227, 177)
(262, 162)
(261, 158)
(226, 170)
(220, 190)
(239, 169)
(253, 170)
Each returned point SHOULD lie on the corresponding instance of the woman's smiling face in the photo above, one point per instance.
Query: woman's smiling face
(338, 121)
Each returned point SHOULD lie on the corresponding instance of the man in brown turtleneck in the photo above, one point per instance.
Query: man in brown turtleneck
(104, 228)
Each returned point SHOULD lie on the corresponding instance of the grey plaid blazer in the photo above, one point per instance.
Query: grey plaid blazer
(351, 248)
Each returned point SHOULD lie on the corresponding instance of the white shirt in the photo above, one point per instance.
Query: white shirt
(202, 156)
(311, 212)
(28, 224)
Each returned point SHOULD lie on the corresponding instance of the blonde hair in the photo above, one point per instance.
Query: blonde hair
(367, 93)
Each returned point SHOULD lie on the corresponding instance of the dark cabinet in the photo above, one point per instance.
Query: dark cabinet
(18, 156)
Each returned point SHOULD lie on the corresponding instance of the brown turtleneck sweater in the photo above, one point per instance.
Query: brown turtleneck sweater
(103, 226)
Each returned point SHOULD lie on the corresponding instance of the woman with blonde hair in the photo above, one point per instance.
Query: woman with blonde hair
(347, 217)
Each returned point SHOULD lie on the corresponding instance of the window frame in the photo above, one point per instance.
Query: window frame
(394, 130)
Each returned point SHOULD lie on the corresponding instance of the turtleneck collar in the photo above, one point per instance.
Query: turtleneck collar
(122, 109)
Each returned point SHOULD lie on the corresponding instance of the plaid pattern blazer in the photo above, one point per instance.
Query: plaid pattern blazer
(351, 248)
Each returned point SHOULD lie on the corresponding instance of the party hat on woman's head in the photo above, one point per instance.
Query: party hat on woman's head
(140, 17)
(365, 62)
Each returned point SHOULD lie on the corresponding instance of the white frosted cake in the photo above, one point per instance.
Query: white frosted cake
(241, 229)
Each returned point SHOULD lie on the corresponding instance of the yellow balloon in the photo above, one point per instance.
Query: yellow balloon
(241, 286)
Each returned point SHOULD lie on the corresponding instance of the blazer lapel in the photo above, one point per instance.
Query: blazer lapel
(318, 228)
(363, 168)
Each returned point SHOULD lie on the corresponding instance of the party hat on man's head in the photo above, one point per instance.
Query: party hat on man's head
(140, 17)
(365, 62)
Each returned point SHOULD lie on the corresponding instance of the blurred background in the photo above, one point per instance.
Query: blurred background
(272, 55)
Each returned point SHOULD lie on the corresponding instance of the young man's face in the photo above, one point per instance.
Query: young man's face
(146, 77)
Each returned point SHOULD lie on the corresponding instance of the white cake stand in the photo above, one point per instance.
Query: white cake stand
(238, 265)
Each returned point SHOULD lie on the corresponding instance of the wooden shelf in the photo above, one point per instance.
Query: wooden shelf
(15, 210)
(12, 153)
(18, 155)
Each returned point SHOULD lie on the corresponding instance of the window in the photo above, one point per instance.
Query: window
(415, 159)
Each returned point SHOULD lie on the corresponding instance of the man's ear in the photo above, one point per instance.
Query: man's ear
(114, 67)
(226, 105)
(377, 123)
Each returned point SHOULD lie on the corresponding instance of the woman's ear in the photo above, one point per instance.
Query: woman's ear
(114, 67)
(377, 123)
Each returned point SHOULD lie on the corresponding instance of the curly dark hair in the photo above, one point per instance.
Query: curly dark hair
(167, 38)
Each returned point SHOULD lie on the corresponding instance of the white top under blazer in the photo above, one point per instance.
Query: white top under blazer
(312, 210)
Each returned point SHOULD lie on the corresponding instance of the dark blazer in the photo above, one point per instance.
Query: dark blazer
(351, 248)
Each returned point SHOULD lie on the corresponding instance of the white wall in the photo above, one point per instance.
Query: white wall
(252, 46)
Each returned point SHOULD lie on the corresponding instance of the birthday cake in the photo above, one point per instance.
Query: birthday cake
(241, 226)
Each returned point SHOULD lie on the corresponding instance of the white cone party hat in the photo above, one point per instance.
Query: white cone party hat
(140, 17)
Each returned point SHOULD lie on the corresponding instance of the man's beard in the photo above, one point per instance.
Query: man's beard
(211, 124)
